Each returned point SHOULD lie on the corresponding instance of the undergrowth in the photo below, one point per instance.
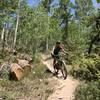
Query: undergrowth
(35, 86)
(88, 91)
(87, 69)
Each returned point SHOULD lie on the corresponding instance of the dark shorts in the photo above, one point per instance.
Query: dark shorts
(55, 56)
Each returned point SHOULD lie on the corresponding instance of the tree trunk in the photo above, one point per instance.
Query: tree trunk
(65, 35)
(3, 44)
(65, 20)
(16, 29)
(3, 39)
(6, 37)
(47, 40)
(2, 34)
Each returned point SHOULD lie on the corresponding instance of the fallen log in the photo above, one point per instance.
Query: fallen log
(25, 65)
(22, 63)
(24, 56)
(16, 72)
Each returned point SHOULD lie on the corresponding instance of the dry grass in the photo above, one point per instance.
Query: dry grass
(33, 87)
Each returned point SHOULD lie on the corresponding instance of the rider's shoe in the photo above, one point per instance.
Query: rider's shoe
(65, 78)
(55, 73)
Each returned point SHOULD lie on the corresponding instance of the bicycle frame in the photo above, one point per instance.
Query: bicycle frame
(60, 65)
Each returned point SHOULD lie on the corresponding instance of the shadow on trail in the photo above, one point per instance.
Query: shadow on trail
(48, 71)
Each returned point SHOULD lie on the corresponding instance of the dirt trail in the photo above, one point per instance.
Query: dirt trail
(64, 89)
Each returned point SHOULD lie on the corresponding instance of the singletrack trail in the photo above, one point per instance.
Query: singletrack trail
(64, 89)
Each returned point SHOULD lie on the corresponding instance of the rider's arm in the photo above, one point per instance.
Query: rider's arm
(52, 50)
(63, 50)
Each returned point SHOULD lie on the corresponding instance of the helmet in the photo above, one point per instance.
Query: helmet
(58, 42)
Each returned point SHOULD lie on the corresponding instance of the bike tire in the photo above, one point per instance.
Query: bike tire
(64, 70)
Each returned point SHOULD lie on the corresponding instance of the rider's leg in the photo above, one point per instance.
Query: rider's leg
(54, 62)
(54, 65)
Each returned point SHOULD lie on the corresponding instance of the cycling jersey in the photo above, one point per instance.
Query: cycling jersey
(57, 50)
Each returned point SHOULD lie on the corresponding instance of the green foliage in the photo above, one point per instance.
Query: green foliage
(38, 30)
(35, 27)
(1, 56)
(89, 91)
(83, 8)
(88, 69)
(98, 1)
(39, 70)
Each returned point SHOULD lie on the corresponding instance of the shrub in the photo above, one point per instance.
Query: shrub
(89, 91)
(88, 69)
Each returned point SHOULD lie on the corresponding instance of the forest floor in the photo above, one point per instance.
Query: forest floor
(39, 84)
(34, 86)
(63, 89)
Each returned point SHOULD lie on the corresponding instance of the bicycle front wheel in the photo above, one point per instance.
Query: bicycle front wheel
(64, 68)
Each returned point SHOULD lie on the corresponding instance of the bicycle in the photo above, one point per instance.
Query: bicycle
(60, 65)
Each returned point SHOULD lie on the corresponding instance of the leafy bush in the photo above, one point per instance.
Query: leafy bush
(1, 56)
(88, 69)
(89, 91)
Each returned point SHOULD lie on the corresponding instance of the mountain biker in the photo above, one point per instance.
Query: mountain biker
(56, 50)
